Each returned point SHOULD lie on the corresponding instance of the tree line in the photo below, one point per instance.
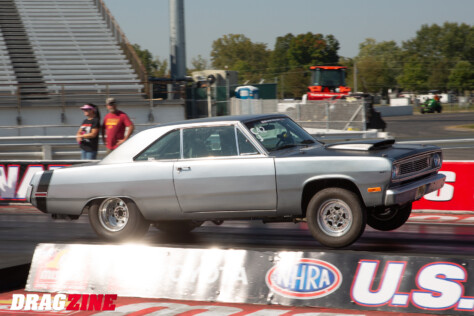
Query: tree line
(439, 57)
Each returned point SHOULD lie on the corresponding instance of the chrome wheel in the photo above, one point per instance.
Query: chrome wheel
(113, 214)
(335, 218)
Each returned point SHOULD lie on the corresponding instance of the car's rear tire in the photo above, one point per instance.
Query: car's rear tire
(336, 217)
(388, 218)
(177, 227)
(117, 219)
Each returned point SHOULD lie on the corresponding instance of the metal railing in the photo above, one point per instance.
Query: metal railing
(339, 115)
(123, 41)
(64, 94)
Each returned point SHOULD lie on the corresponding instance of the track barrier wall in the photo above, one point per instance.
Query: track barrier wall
(456, 195)
(332, 279)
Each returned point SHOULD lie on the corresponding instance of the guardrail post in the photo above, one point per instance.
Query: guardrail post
(47, 153)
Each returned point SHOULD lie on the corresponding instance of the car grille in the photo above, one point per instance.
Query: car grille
(415, 165)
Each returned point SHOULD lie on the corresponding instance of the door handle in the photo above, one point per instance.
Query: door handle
(183, 169)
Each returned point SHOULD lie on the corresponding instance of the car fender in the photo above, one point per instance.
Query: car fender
(370, 194)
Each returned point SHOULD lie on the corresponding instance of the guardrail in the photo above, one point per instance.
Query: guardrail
(65, 147)
(41, 151)
(64, 94)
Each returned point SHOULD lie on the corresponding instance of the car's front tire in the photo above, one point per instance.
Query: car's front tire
(117, 219)
(388, 218)
(336, 217)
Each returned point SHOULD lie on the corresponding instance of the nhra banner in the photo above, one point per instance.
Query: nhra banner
(457, 194)
(352, 280)
(16, 176)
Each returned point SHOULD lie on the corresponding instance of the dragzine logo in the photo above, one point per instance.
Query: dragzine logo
(439, 286)
(60, 302)
(304, 279)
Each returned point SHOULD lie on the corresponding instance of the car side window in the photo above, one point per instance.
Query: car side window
(245, 146)
(209, 142)
(166, 147)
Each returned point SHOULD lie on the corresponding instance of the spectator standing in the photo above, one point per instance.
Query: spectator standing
(117, 126)
(88, 134)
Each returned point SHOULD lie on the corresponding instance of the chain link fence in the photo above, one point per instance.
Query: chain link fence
(330, 115)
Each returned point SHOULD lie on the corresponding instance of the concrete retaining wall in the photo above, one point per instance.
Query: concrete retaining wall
(395, 110)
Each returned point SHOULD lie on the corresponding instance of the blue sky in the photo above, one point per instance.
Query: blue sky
(146, 22)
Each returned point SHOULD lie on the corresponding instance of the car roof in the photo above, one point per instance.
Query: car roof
(236, 118)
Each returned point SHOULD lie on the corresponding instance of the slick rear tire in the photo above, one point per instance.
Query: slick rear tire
(390, 218)
(336, 217)
(177, 227)
(117, 219)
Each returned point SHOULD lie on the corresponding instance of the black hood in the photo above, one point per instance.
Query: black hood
(364, 148)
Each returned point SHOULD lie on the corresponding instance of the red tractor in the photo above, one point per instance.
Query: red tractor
(328, 82)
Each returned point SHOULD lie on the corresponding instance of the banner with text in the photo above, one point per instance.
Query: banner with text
(16, 176)
(457, 194)
(353, 280)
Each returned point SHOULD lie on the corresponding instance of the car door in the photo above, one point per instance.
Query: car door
(151, 178)
(216, 174)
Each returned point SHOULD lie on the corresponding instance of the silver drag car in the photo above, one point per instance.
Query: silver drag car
(176, 176)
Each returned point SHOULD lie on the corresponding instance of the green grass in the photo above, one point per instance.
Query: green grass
(469, 126)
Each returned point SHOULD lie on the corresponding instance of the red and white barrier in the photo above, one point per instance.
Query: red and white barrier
(457, 194)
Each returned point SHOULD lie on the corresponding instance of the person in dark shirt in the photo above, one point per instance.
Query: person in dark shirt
(88, 134)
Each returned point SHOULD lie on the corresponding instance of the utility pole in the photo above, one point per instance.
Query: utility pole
(177, 40)
(355, 78)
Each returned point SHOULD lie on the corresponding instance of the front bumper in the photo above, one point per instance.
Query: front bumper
(414, 190)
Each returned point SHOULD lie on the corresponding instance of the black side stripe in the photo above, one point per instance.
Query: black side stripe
(43, 187)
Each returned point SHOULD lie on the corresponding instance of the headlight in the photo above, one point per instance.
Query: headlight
(436, 160)
(395, 170)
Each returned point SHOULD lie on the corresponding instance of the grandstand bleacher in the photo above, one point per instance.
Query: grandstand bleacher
(55, 56)
(74, 46)
(8, 80)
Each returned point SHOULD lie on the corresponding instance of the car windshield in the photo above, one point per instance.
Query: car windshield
(280, 133)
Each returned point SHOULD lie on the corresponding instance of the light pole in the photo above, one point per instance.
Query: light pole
(177, 40)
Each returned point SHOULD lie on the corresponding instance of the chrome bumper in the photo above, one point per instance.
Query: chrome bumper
(414, 191)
